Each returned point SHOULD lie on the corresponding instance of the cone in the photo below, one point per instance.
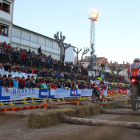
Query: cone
(89, 97)
(50, 101)
(43, 101)
(25, 101)
(33, 101)
(84, 97)
(10, 103)
(1, 104)
(58, 100)
(63, 100)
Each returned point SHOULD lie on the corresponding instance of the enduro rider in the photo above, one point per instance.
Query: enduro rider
(134, 76)
(136, 65)
(98, 87)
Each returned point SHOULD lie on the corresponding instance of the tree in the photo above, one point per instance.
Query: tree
(117, 68)
(77, 52)
(62, 45)
(85, 52)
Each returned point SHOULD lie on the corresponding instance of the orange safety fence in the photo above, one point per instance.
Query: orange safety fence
(46, 105)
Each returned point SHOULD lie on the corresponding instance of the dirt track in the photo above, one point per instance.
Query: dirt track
(15, 128)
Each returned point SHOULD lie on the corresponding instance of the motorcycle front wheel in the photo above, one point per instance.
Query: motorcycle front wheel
(134, 99)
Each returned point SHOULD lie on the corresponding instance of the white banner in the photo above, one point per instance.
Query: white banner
(17, 94)
(14, 74)
(86, 92)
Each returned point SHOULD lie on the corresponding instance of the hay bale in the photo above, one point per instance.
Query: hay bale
(43, 119)
(94, 109)
(49, 117)
(109, 105)
(82, 111)
(67, 112)
(125, 101)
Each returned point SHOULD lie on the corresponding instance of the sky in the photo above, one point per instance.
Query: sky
(117, 31)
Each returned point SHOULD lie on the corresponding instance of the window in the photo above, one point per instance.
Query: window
(42, 41)
(15, 32)
(49, 43)
(55, 45)
(5, 6)
(4, 29)
(25, 35)
(15, 45)
(34, 38)
(47, 53)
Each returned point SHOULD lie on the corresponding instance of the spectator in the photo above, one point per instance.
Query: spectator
(0, 80)
(4, 83)
(44, 71)
(103, 66)
(7, 67)
(1, 8)
(28, 84)
(62, 74)
(62, 85)
(58, 85)
(10, 81)
(37, 80)
(28, 77)
(22, 83)
(32, 84)
(1, 67)
(67, 84)
(44, 85)
(39, 50)
(26, 71)
(50, 73)
(15, 82)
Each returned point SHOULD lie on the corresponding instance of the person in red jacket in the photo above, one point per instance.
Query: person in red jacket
(22, 58)
(22, 82)
(22, 55)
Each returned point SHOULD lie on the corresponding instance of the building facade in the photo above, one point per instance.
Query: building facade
(24, 38)
(97, 62)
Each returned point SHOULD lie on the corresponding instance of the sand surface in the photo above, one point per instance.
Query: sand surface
(15, 128)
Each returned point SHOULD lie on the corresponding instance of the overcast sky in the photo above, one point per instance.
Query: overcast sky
(117, 29)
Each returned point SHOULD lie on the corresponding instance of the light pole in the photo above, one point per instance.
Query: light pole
(93, 17)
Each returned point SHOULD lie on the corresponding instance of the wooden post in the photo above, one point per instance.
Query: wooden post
(45, 108)
(94, 122)
(106, 100)
(78, 102)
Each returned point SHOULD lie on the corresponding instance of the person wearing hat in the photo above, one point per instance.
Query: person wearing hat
(15, 82)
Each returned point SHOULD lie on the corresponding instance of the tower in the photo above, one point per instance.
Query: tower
(93, 17)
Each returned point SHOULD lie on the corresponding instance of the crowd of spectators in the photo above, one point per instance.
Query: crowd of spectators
(47, 70)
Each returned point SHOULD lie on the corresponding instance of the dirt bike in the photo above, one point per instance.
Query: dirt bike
(97, 93)
(135, 85)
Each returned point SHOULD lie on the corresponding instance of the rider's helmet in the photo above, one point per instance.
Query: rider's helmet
(136, 60)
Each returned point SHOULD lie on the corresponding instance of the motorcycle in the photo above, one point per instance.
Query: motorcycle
(134, 76)
(98, 92)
